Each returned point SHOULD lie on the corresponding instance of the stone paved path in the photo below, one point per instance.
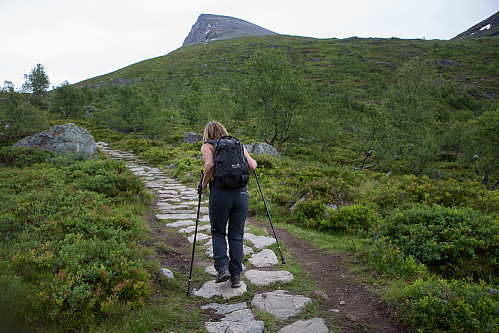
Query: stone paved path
(177, 205)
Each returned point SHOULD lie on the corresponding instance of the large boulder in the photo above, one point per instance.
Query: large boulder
(62, 139)
(260, 148)
(192, 137)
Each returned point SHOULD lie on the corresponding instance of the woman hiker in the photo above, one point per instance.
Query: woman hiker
(225, 205)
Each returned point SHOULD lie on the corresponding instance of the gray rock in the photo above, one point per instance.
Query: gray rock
(260, 148)
(264, 258)
(192, 137)
(280, 304)
(166, 272)
(259, 241)
(238, 318)
(315, 325)
(192, 228)
(254, 326)
(62, 139)
(264, 278)
(210, 289)
(182, 223)
(199, 237)
(292, 208)
(223, 309)
(175, 216)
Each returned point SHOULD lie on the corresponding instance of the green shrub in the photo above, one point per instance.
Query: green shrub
(454, 242)
(70, 238)
(158, 155)
(438, 305)
(107, 176)
(381, 255)
(20, 157)
(351, 218)
(309, 213)
(267, 161)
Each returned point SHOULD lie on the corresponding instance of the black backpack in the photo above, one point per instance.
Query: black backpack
(231, 166)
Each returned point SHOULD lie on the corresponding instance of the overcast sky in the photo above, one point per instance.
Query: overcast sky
(77, 40)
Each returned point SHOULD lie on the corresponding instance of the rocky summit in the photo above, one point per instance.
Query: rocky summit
(487, 28)
(217, 27)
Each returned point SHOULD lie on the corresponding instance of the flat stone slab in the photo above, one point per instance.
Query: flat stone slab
(193, 228)
(210, 289)
(172, 186)
(238, 318)
(199, 237)
(264, 278)
(185, 198)
(172, 192)
(171, 200)
(167, 205)
(225, 308)
(315, 325)
(259, 241)
(175, 216)
(164, 196)
(280, 303)
(154, 184)
(254, 326)
(264, 258)
(177, 211)
(180, 223)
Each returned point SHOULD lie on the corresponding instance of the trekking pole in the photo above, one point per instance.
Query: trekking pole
(268, 214)
(195, 234)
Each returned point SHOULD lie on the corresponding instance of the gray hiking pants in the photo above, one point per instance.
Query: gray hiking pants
(232, 206)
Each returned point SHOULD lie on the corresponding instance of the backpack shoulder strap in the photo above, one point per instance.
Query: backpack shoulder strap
(214, 141)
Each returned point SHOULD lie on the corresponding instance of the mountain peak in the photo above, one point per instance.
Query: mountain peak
(486, 28)
(210, 27)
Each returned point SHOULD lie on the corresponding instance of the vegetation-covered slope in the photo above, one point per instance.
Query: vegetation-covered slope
(392, 143)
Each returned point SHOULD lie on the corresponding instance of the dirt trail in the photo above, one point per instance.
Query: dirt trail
(359, 309)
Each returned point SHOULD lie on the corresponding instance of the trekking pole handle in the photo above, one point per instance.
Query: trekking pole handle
(200, 185)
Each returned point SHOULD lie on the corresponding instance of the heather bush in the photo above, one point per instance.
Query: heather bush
(440, 305)
(69, 242)
(23, 156)
(454, 242)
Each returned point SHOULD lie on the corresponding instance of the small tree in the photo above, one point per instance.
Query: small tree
(18, 118)
(133, 110)
(482, 147)
(37, 83)
(408, 128)
(67, 100)
(190, 101)
(274, 92)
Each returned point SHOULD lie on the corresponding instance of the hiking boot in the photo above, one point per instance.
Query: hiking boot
(236, 281)
(222, 274)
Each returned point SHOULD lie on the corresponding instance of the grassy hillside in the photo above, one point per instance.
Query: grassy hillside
(366, 65)
(383, 96)
(390, 145)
